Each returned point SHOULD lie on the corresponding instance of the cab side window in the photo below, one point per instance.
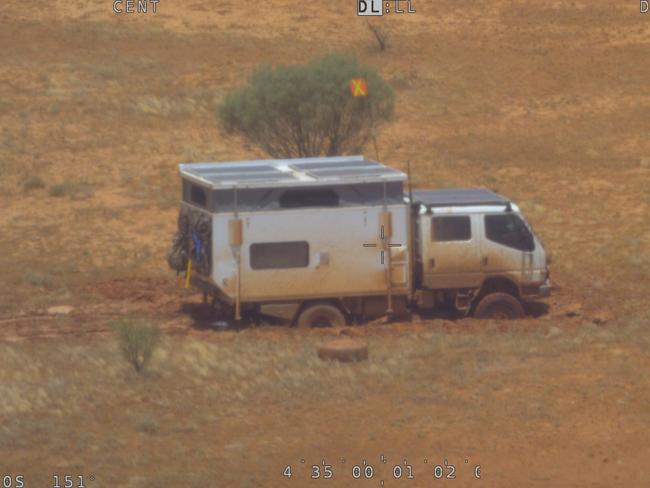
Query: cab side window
(451, 228)
(509, 230)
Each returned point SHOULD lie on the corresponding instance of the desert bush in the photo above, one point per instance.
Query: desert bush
(138, 341)
(147, 425)
(381, 34)
(33, 183)
(60, 189)
(308, 110)
(71, 189)
(37, 279)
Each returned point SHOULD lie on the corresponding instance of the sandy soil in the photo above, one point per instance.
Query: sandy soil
(546, 103)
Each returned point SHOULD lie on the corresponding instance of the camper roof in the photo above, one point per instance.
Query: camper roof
(290, 172)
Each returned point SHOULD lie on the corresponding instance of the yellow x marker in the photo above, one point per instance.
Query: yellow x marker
(358, 87)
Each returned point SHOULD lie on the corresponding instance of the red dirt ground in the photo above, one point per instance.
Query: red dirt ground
(547, 102)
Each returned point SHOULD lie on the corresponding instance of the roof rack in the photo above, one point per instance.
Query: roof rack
(458, 197)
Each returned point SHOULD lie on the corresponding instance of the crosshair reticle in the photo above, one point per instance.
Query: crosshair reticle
(382, 236)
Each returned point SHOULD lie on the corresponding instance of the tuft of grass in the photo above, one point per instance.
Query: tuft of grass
(7, 439)
(441, 183)
(147, 425)
(403, 79)
(166, 106)
(54, 108)
(71, 189)
(491, 181)
(138, 341)
(37, 279)
(59, 190)
(105, 71)
(33, 183)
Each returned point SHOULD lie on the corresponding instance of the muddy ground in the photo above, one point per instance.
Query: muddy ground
(545, 103)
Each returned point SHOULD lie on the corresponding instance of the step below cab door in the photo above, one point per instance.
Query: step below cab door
(451, 251)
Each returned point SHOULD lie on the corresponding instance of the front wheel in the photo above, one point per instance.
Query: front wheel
(321, 315)
(500, 306)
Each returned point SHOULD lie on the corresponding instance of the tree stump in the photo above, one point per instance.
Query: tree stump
(344, 350)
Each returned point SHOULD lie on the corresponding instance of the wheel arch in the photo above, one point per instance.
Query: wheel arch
(501, 284)
(338, 303)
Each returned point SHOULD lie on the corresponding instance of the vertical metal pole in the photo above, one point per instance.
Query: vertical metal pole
(372, 128)
(410, 238)
(386, 236)
(408, 169)
(238, 277)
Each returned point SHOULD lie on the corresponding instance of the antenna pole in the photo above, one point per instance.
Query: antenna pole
(386, 227)
(408, 170)
(372, 129)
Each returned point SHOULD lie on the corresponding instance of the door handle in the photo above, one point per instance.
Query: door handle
(432, 263)
(484, 261)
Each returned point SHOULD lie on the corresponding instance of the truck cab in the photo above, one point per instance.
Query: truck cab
(476, 249)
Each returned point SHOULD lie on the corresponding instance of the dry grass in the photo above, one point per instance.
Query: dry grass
(548, 111)
(243, 380)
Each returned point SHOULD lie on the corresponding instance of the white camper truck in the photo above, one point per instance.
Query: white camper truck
(323, 241)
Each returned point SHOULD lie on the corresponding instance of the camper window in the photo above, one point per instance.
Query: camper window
(456, 228)
(197, 195)
(274, 255)
(309, 198)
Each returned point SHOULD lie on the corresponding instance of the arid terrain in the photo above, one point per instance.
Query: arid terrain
(546, 102)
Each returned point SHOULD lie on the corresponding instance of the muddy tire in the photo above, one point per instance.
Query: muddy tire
(344, 350)
(500, 306)
(321, 315)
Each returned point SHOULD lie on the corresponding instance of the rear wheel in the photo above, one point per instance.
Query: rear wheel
(500, 306)
(321, 315)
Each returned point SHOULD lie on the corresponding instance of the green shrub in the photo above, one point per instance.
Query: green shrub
(138, 341)
(147, 425)
(308, 110)
(37, 279)
(71, 189)
(33, 183)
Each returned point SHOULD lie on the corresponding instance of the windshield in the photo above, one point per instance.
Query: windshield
(509, 230)
(532, 231)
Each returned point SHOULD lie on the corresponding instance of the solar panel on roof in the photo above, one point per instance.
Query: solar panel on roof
(350, 171)
(325, 164)
(261, 176)
(240, 174)
(217, 169)
(301, 172)
(248, 173)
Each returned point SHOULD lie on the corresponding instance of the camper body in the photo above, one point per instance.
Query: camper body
(327, 240)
